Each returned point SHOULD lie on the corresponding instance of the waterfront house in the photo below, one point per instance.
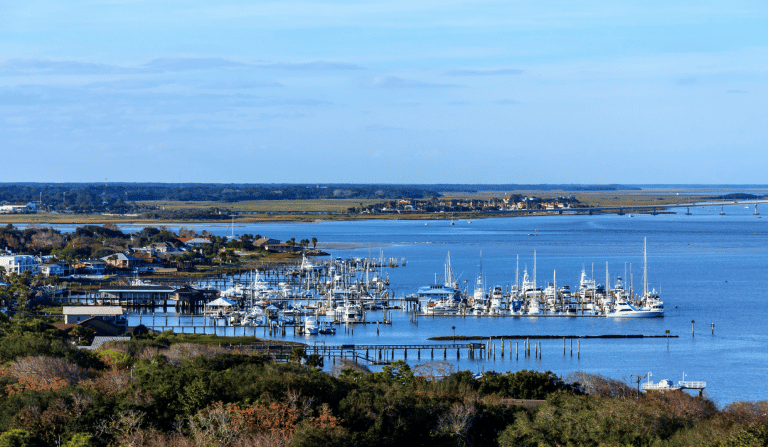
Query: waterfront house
(264, 241)
(121, 260)
(162, 247)
(20, 264)
(90, 266)
(53, 269)
(282, 248)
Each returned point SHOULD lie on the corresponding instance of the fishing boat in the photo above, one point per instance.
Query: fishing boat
(623, 309)
(441, 299)
(310, 326)
(650, 306)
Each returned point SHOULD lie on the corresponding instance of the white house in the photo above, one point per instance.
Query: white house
(20, 264)
(53, 269)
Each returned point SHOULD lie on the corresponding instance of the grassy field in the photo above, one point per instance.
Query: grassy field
(263, 206)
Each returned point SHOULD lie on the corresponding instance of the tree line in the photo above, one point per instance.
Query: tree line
(121, 197)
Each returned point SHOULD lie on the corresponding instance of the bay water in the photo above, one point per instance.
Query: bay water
(708, 268)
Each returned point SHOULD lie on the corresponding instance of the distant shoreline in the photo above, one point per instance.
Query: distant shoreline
(314, 211)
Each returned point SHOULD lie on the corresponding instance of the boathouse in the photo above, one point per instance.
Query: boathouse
(137, 296)
(189, 298)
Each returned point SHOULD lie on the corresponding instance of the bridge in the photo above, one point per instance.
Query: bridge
(621, 209)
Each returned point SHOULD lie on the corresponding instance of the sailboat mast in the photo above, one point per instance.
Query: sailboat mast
(554, 282)
(517, 275)
(645, 268)
(534, 269)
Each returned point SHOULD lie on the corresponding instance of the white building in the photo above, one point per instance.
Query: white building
(20, 264)
(53, 269)
(18, 208)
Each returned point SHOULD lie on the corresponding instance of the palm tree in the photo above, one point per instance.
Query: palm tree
(314, 243)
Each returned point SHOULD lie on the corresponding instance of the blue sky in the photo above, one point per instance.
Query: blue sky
(385, 92)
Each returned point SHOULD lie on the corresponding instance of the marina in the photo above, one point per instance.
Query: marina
(705, 267)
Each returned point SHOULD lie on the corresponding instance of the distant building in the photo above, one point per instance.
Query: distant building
(194, 241)
(162, 247)
(137, 295)
(263, 242)
(121, 260)
(18, 208)
(54, 269)
(20, 264)
(282, 248)
(91, 266)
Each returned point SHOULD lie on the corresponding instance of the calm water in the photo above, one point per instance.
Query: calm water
(708, 268)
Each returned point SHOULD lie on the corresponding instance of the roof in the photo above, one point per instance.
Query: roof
(264, 241)
(140, 289)
(93, 310)
(119, 257)
(103, 328)
(197, 240)
(221, 302)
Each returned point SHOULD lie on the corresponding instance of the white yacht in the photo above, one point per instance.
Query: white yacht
(625, 310)
(310, 326)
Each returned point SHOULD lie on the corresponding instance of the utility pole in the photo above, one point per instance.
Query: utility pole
(639, 378)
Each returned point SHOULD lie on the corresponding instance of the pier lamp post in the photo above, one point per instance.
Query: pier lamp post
(693, 323)
(454, 332)
(649, 377)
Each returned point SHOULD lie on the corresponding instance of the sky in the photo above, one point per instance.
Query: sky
(588, 92)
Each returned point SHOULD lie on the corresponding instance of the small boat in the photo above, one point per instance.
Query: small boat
(327, 329)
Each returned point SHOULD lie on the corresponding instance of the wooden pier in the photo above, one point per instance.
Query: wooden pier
(384, 354)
